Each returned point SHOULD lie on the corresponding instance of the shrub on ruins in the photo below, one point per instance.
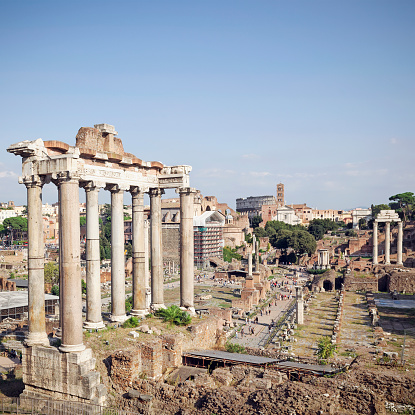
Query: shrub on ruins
(174, 315)
(131, 322)
(234, 348)
(325, 348)
(129, 304)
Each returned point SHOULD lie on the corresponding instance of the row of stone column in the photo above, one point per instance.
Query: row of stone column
(387, 243)
(69, 254)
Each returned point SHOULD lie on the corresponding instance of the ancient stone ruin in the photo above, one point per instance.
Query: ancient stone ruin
(97, 161)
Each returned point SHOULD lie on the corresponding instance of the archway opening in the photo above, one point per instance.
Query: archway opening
(327, 285)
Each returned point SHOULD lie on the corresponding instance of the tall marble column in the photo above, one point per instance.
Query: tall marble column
(93, 272)
(157, 297)
(187, 248)
(37, 327)
(250, 264)
(147, 264)
(400, 243)
(375, 243)
(117, 254)
(138, 253)
(71, 318)
(387, 243)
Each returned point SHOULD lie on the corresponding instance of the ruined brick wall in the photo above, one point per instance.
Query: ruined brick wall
(204, 334)
(125, 366)
(401, 282)
(222, 313)
(171, 241)
(355, 283)
(362, 245)
(152, 358)
(172, 350)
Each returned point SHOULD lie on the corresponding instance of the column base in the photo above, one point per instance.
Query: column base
(155, 307)
(190, 310)
(94, 326)
(139, 313)
(400, 264)
(118, 319)
(387, 263)
(72, 348)
(37, 339)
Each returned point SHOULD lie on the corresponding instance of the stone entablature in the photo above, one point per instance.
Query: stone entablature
(96, 163)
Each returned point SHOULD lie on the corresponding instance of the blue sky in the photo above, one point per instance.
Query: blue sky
(316, 94)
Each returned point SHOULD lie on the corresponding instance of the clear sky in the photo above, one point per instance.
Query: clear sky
(317, 94)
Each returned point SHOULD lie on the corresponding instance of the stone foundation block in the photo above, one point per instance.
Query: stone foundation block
(47, 372)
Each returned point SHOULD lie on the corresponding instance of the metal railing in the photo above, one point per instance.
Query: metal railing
(29, 405)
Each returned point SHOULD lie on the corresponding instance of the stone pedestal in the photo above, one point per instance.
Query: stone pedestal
(49, 373)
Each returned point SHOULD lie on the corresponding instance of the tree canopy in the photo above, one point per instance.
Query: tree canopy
(403, 203)
(255, 221)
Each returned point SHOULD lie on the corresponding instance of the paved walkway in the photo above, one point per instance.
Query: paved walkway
(261, 329)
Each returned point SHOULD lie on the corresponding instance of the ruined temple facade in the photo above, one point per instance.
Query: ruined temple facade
(97, 161)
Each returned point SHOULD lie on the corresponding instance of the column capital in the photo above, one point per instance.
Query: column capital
(138, 190)
(186, 190)
(155, 191)
(115, 188)
(32, 181)
(65, 176)
(92, 185)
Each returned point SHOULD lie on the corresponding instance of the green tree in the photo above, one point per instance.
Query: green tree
(316, 230)
(403, 203)
(55, 290)
(128, 250)
(229, 253)
(82, 220)
(255, 221)
(363, 224)
(260, 232)
(17, 225)
(302, 242)
(51, 271)
(248, 238)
